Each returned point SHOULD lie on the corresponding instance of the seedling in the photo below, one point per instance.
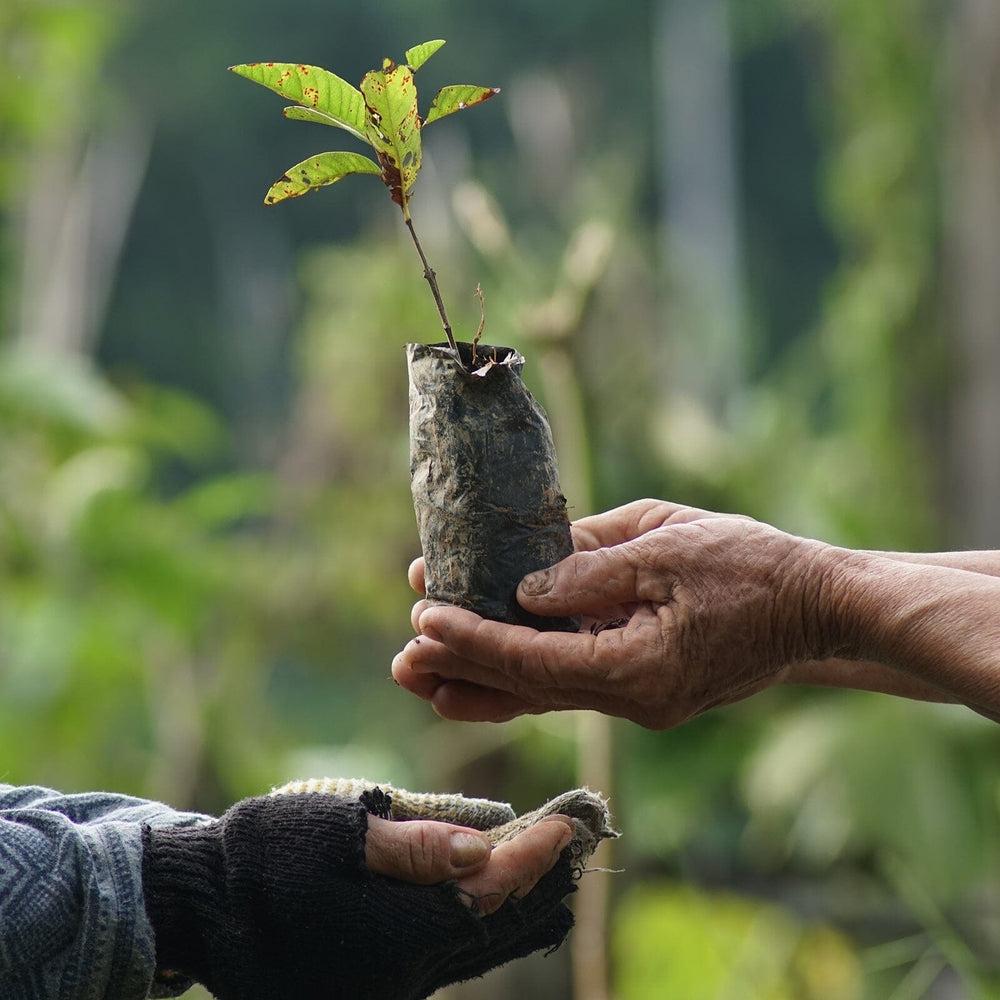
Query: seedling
(482, 463)
(382, 113)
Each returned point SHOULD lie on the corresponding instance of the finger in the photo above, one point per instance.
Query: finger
(425, 656)
(435, 659)
(415, 613)
(516, 658)
(423, 851)
(461, 701)
(415, 575)
(516, 866)
(585, 582)
(423, 684)
(623, 524)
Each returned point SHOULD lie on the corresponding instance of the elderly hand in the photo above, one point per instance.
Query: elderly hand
(270, 899)
(714, 608)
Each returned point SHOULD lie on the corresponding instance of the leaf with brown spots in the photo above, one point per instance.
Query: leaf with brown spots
(313, 88)
(457, 98)
(316, 172)
(383, 112)
(394, 128)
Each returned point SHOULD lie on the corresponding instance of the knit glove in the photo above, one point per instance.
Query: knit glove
(273, 900)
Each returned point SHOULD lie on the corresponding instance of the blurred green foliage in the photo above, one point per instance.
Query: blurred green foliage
(205, 518)
(674, 941)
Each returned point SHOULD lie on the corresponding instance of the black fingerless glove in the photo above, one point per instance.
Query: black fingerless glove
(273, 901)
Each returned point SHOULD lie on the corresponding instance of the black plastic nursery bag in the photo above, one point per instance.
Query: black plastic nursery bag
(484, 479)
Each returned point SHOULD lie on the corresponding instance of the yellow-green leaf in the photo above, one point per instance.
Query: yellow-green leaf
(317, 172)
(457, 98)
(312, 87)
(311, 115)
(419, 54)
(394, 128)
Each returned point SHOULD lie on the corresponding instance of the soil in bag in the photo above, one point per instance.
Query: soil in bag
(484, 479)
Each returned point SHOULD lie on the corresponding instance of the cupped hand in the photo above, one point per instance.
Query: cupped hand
(427, 852)
(704, 609)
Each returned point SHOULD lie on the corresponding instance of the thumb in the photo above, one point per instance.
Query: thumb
(423, 851)
(583, 583)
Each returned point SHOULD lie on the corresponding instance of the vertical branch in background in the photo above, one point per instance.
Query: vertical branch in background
(78, 210)
(701, 233)
(554, 325)
(973, 250)
(177, 713)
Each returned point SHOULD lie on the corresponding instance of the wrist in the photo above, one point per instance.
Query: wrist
(183, 874)
(839, 602)
(230, 901)
(854, 587)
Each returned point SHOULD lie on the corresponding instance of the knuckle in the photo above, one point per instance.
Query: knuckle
(684, 515)
(423, 853)
(539, 667)
(649, 510)
(652, 580)
(511, 658)
(496, 890)
(508, 882)
(645, 553)
(515, 662)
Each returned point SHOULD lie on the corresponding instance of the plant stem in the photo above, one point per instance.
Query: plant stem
(435, 291)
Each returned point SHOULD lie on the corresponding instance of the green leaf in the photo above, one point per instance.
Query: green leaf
(317, 172)
(457, 98)
(394, 128)
(419, 54)
(314, 88)
(311, 115)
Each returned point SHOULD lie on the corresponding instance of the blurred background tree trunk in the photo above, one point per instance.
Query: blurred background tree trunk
(973, 248)
(703, 301)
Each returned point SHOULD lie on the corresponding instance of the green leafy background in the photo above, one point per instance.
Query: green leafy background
(205, 518)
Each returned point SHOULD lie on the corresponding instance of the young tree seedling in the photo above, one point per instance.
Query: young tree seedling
(382, 113)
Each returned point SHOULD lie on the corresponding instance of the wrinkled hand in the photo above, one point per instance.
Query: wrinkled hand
(715, 608)
(427, 852)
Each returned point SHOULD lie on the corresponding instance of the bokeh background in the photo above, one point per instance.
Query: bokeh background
(751, 249)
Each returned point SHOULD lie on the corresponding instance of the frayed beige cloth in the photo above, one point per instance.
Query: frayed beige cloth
(497, 820)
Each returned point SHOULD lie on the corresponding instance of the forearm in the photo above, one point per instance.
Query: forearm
(936, 624)
(986, 562)
(864, 675)
(72, 922)
(867, 675)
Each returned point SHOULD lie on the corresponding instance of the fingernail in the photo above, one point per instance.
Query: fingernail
(559, 818)
(567, 824)
(536, 584)
(468, 849)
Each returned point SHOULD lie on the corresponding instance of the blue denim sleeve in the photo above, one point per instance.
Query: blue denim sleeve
(73, 925)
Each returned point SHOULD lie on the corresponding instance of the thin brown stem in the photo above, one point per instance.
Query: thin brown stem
(435, 291)
(482, 321)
